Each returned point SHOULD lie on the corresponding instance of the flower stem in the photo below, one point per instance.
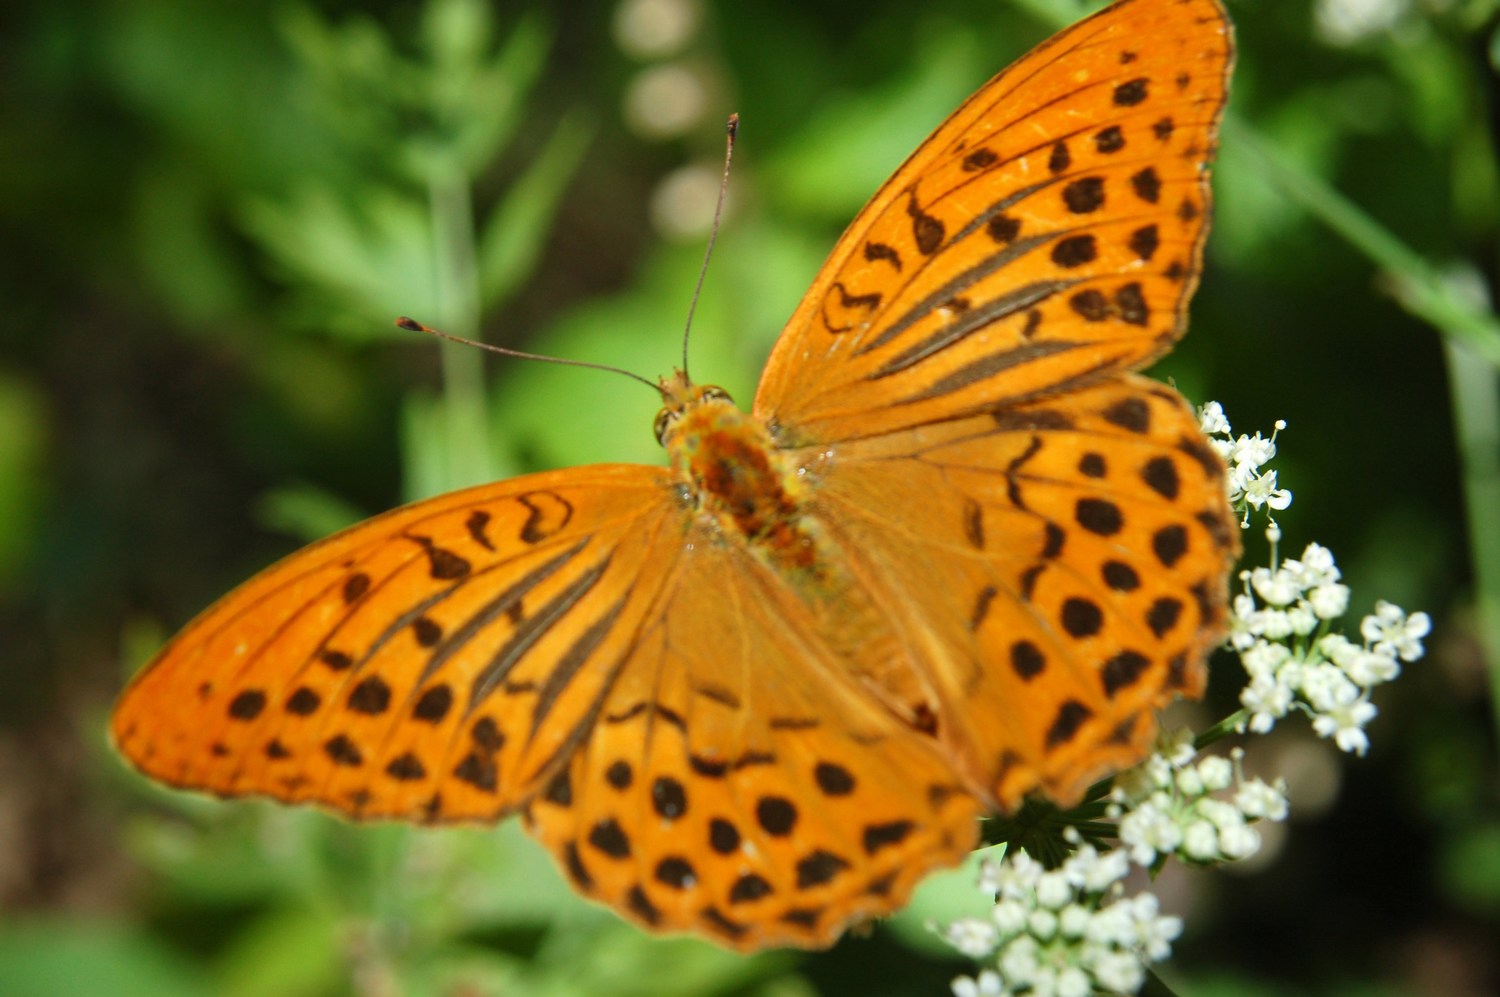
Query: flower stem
(1229, 725)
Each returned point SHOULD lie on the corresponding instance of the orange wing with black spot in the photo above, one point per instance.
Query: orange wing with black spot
(435, 663)
(1046, 236)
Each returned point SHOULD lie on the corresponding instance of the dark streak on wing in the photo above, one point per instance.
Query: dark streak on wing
(968, 277)
(988, 366)
(958, 284)
(633, 711)
(575, 657)
(531, 530)
(1019, 300)
(533, 629)
(406, 619)
(496, 607)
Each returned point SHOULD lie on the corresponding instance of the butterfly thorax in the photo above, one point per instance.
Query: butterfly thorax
(736, 474)
(755, 491)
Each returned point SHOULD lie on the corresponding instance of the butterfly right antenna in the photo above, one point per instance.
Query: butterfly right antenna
(730, 129)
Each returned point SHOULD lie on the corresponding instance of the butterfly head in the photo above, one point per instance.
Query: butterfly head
(680, 397)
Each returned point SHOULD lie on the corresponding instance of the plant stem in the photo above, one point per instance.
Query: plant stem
(467, 446)
(1476, 421)
(1156, 987)
(1416, 285)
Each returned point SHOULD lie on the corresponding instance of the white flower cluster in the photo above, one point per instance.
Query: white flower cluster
(1166, 806)
(1249, 486)
(1064, 933)
(1071, 931)
(1280, 627)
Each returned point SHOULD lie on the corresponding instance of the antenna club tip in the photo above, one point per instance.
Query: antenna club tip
(733, 124)
(410, 324)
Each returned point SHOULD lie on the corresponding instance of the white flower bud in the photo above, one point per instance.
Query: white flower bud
(1119, 972)
(973, 937)
(1200, 841)
(1329, 600)
(1073, 922)
(1042, 924)
(1256, 800)
(1009, 917)
(1073, 982)
(1240, 842)
(1053, 891)
(1216, 773)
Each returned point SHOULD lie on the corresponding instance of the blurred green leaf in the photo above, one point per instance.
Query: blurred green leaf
(83, 958)
(474, 105)
(1471, 867)
(285, 951)
(305, 511)
(942, 898)
(851, 142)
(511, 240)
(363, 257)
(24, 434)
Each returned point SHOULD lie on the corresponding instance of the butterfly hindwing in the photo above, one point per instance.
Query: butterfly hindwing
(1063, 562)
(740, 782)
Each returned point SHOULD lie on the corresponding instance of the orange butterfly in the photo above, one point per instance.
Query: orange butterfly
(958, 552)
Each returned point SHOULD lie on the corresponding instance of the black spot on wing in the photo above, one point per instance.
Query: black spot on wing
(1132, 92)
(1122, 671)
(819, 867)
(1147, 185)
(1109, 140)
(978, 160)
(1131, 414)
(927, 230)
(1027, 660)
(355, 586)
(372, 696)
(476, 523)
(1169, 544)
(885, 835)
(1081, 617)
(247, 705)
(610, 838)
(443, 564)
(1070, 717)
(1084, 196)
(1059, 159)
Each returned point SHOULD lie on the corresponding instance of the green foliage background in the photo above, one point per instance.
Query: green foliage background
(212, 212)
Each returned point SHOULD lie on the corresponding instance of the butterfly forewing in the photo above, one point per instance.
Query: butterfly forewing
(1047, 235)
(433, 663)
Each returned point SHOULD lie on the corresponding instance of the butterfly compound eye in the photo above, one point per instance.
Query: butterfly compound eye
(664, 418)
(714, 393)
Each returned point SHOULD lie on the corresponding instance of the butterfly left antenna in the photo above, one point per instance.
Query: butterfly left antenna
(415, 326)
(730, 129)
